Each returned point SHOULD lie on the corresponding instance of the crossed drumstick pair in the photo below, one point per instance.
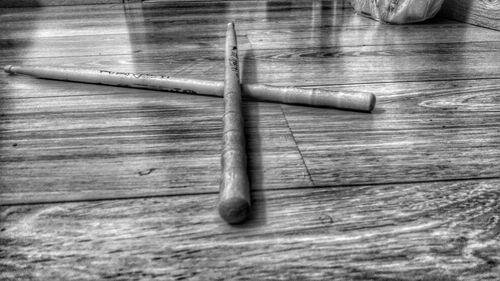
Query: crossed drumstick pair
(234, 192)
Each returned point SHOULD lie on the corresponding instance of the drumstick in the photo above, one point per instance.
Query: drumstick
(234, 193)
(313, 97)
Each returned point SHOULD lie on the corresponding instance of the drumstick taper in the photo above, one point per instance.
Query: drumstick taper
(234, 193)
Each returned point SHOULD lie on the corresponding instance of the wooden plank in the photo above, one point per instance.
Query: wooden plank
(204, 13)
(349, 34)
(308, 66)
(422, 231)
(132, 143)
(418, 132)
(163, 19)
(478, 12)
(111, 44)
(42, 3)
(67, 43)
(23, 14)
(368, 64)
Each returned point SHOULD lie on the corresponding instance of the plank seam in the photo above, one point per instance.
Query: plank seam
(297, 146)
(396, 82)
(73, 199)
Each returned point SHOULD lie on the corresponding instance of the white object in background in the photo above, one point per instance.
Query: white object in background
(397, 11)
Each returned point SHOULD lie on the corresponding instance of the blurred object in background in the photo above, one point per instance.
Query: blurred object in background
(397, 11)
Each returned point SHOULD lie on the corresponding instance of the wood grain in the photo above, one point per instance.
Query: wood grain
(430, 231)
(54, 144)
(408, 192)
(323, 44)
(479, 12)
(41, 3)
(418, 132)
(435, 130)
(85, 40)
(318, 66)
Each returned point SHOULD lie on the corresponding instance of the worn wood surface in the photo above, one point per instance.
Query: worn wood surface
(41, 3)
(420, 131)
(423, 231)
(479, 12)
(129, 144)
(101, 182)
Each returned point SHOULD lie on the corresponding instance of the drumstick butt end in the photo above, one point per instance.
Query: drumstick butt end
(234, 210)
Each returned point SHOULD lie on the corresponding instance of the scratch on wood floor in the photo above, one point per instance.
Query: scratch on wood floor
(147, 172)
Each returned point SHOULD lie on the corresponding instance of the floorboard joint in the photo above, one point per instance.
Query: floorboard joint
(297, 146)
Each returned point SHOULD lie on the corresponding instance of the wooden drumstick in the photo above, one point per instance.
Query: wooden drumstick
(234, 193)
(305, 96)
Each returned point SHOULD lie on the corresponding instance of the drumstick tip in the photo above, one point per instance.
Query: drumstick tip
(8, 68)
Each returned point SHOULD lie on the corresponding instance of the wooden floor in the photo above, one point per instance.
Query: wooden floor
(100, 182)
